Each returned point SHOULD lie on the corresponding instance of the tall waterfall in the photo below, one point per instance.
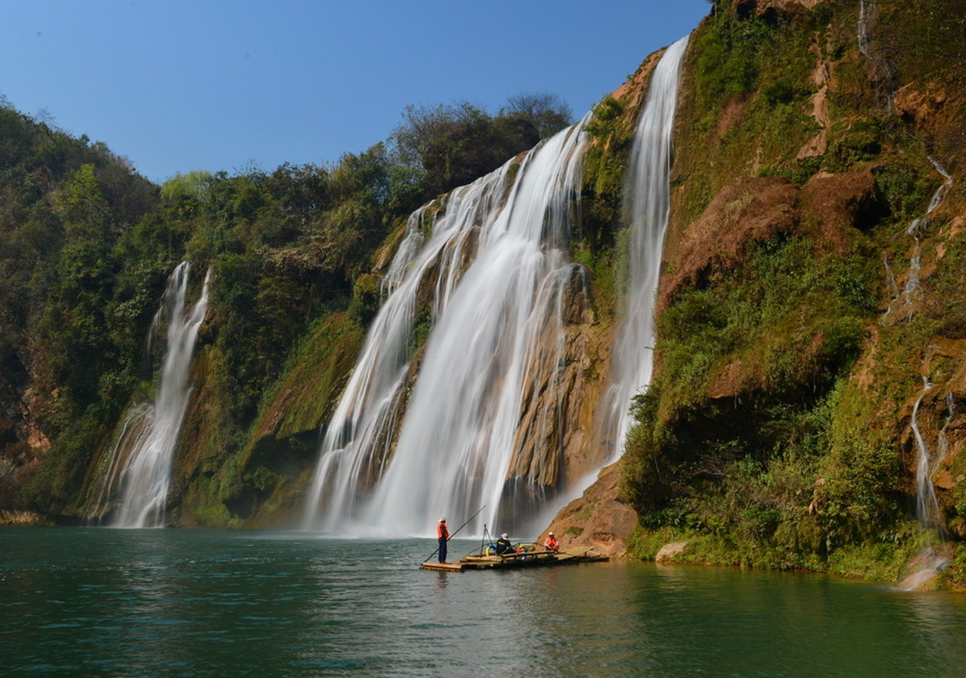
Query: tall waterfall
(146, 474)
(493, 265)
(647, 204)
(423, 433)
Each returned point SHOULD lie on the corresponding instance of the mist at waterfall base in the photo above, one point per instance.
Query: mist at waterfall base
(494, 255)
(191, 603)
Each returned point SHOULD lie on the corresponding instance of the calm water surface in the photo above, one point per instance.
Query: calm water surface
(98, 602)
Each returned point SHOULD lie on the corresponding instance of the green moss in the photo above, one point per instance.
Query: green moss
(880, 560)
(645, 544)
(366, 298)
(605, 161)
(853, 144)
(954, 577)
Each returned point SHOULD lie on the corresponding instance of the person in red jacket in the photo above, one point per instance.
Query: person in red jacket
(551, 543)
(442, 532)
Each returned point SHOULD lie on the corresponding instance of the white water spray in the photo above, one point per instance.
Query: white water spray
(903, 303)
(146, 475)
(927, 507)
(647, 207)
(492, 263)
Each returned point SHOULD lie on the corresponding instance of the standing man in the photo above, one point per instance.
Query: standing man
(443, 534)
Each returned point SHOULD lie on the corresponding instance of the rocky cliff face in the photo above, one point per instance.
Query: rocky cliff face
(807, 405)
(809, 351)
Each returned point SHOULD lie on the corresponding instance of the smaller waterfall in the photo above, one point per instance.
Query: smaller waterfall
(924, 568)
(647, 208)
(927, 507)
(904, 301)
(146, 474)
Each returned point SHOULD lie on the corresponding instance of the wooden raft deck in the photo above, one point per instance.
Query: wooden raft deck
(516, 561)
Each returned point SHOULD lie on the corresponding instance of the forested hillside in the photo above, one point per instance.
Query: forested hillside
(87, 245)
(806, 406)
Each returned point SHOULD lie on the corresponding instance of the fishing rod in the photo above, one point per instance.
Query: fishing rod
(457, 532)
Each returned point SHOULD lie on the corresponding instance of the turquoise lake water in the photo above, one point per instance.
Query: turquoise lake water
(101, 602)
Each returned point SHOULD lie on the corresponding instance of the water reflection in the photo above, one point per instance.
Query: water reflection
(157, 602)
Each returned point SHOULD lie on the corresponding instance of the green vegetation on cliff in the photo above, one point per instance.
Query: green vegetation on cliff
(809, 307)
(86, 245)
(776, 431)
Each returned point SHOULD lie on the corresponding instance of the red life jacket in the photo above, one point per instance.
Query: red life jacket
(441, 531)
(552, 543)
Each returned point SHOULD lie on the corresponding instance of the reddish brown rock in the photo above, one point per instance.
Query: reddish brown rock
(755, 208)
(917, 106)
(598, 520)
(832, 205)
(771, 9)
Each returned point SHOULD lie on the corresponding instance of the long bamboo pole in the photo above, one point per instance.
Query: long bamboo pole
(455, 533)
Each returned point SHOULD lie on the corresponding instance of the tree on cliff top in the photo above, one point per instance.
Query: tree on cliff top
(451, 146)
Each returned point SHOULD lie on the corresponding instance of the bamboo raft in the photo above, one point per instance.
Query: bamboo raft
(541, 558)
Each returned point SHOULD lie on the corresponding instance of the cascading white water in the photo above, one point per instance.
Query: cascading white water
(927, 507)
(904, 301)
(146, 475)
(455, 443)
(494, 263)
(933, 559)
(647, 207)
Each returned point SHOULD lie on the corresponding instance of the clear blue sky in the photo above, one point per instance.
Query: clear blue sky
(181, 85)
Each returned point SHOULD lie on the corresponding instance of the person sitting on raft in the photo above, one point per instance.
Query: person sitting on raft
(551, 543)
(503, 545)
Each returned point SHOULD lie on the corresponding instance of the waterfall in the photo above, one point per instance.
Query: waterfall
(647, 207)
(927, 507)
(905, 299)
(423, 432)
(146, 474)
(494, 267)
